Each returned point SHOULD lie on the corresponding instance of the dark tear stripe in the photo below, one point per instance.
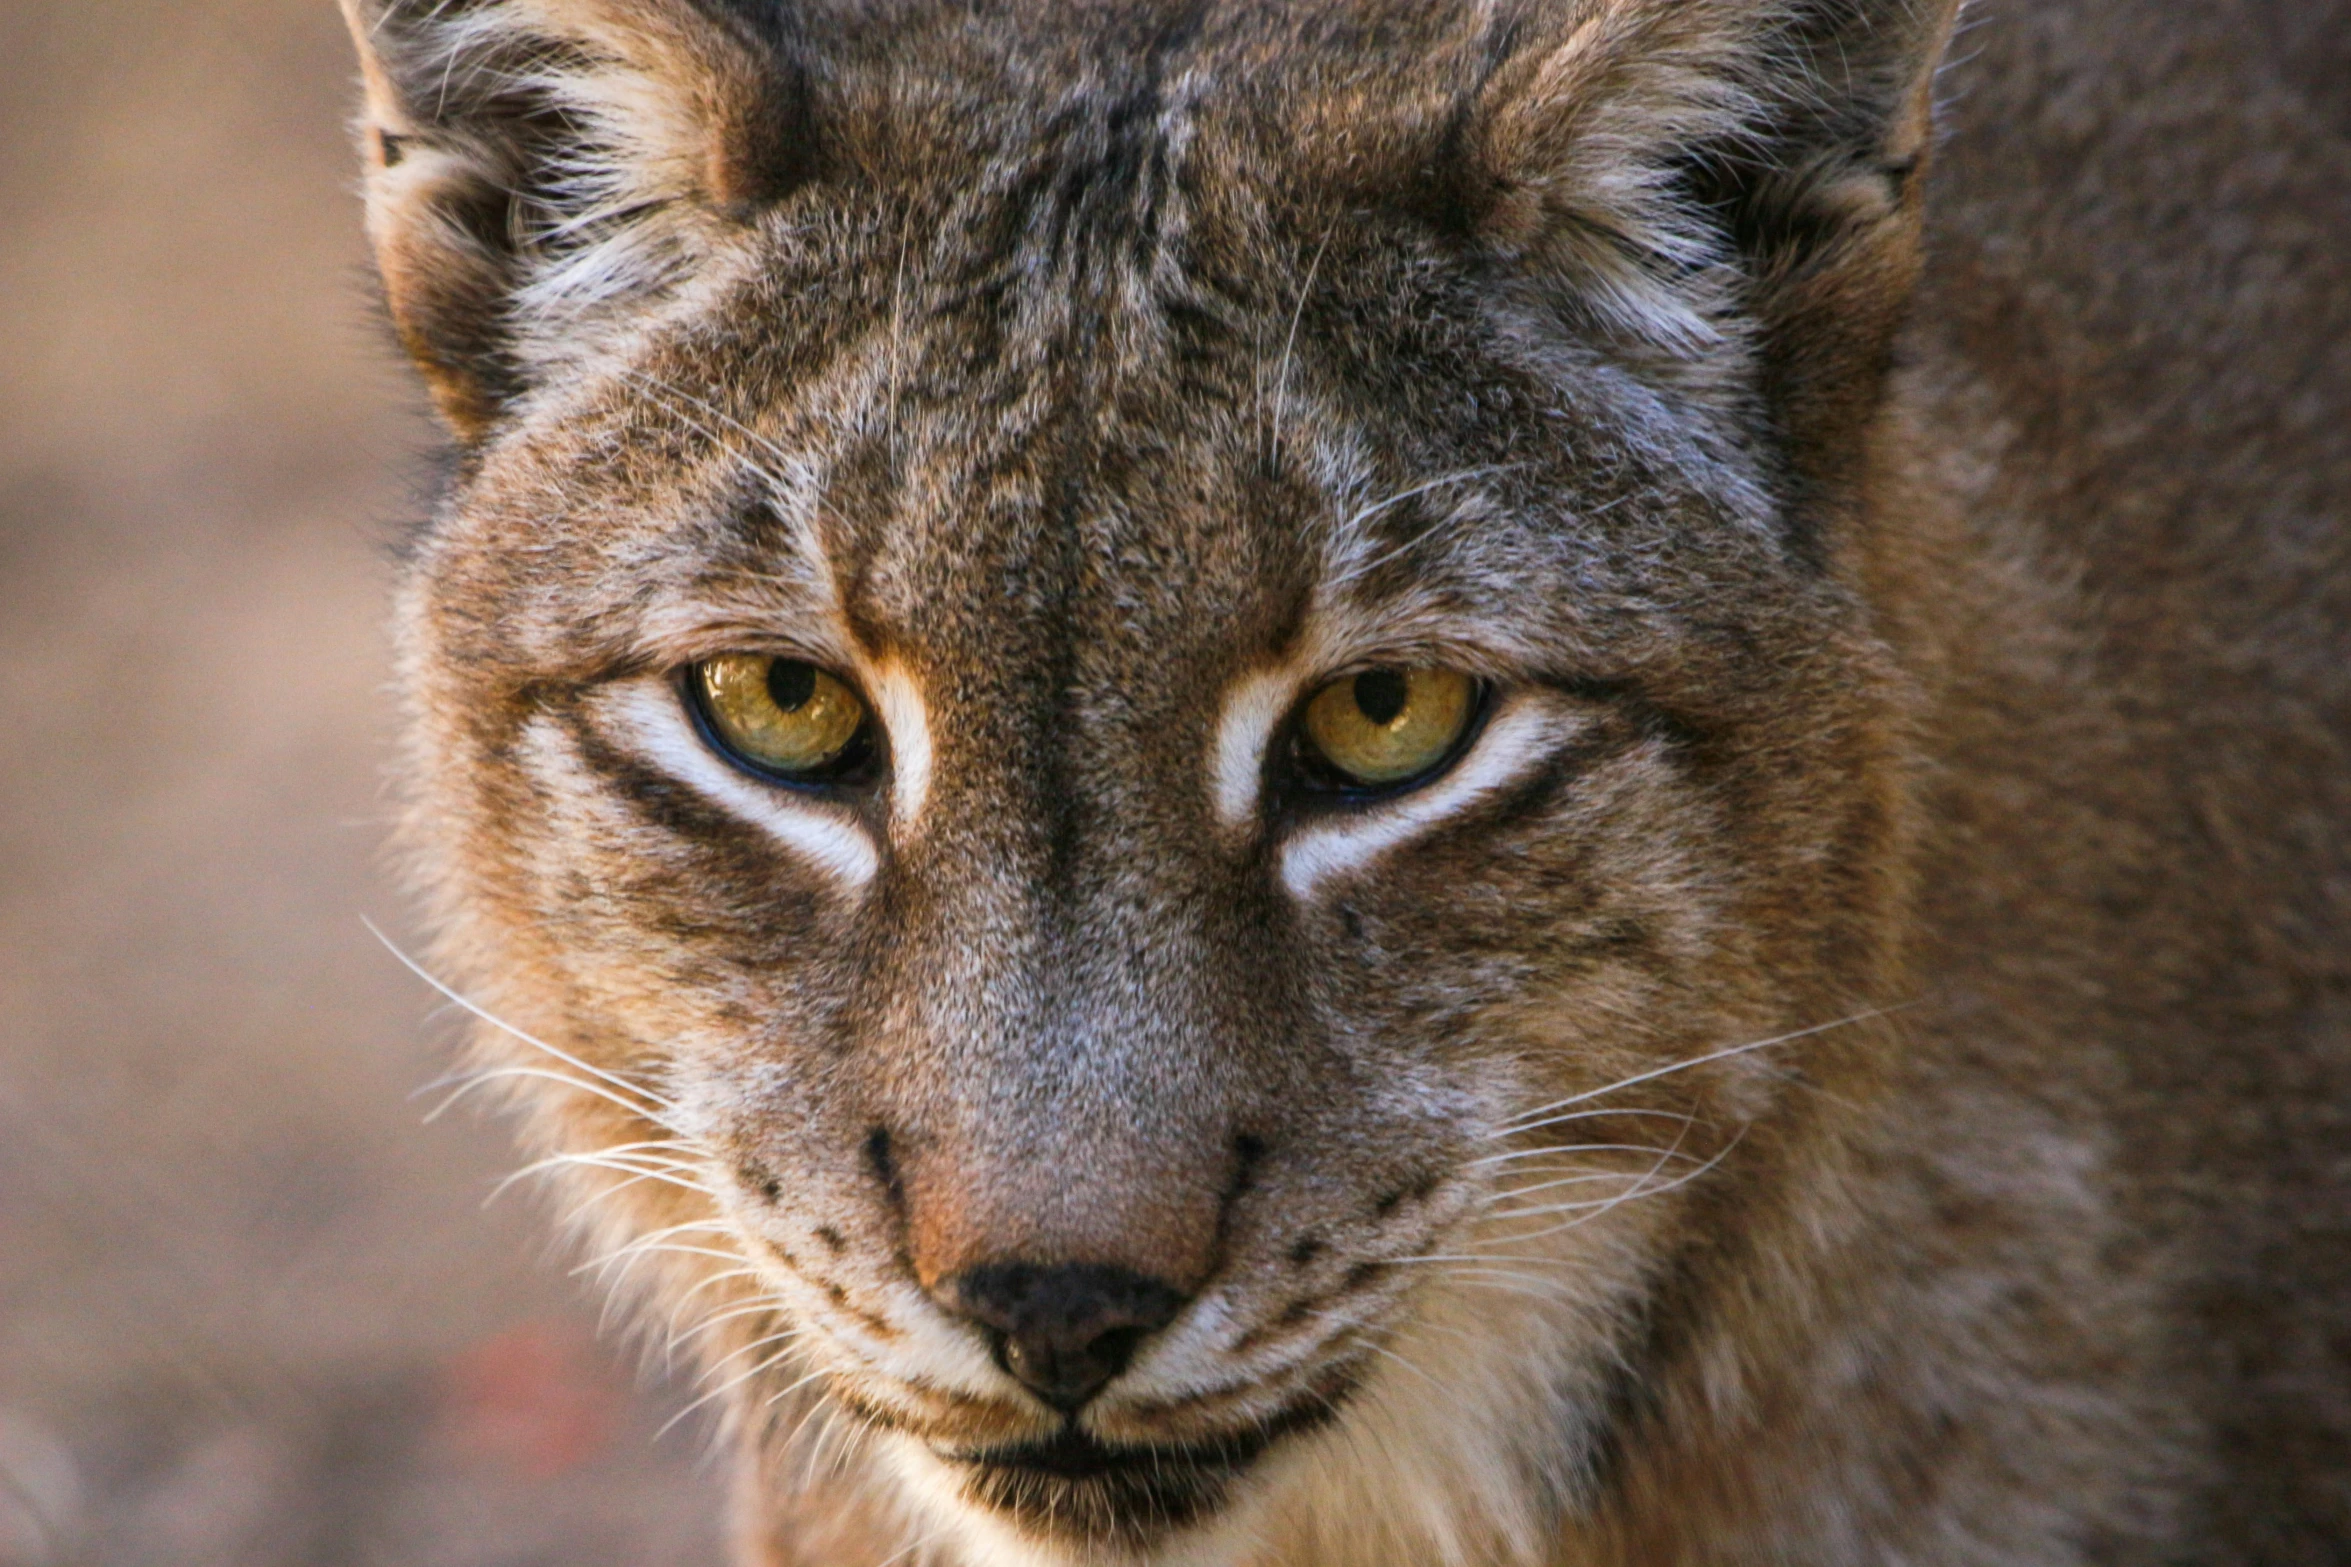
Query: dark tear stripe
(1537, 795)
(660, 800)
(674, 806)
(1651, 720)
(1639, 719)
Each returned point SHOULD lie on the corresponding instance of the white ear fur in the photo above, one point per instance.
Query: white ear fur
(1582, 135)
(1590, 138)
(532, 164)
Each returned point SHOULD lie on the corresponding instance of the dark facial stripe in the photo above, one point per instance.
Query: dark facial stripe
(666, 804)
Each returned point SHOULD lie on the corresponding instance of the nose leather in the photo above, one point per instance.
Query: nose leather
(1062, 1330)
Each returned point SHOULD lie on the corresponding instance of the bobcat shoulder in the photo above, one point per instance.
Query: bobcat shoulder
(1374, 781)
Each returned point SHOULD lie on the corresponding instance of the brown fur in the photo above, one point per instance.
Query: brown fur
(1953, 712)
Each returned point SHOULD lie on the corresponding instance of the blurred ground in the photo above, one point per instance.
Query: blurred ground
(251, 1309)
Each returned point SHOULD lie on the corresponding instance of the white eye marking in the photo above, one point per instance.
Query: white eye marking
(898, 702)
(1250, 716)
(1516, 739)
(649, 713)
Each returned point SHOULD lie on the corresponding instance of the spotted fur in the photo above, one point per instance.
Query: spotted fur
(1841, 1070)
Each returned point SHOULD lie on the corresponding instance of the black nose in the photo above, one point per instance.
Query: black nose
(1063, 1331)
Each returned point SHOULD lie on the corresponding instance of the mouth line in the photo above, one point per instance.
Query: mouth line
(1071, 1454)
(1076, 1485)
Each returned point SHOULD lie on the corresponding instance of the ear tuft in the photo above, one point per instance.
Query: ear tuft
(1718, 184)
(536, 168)
(1583, 147)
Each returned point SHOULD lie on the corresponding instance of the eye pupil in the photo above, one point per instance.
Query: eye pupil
(1380, 695)
(790, 684)
(781, 716)
(1385, 727)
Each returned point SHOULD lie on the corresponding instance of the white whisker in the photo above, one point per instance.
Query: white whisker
(1525, 1121)
(620, 1160)
(789, 1388)
(655, 1238)
(722, 1276)
(675, 394)
(1567, 1151)
(633, 1178)
(1590, 1211)
(727, 1276)
(1562, 1120)
(1493, 1268)
(639, 1252)
(679, 1337)
(470, 1081)
(782, 1336)
(1382, 1349)
(728, 1386)
(621, 1083)
(856, 1430)
(1498, 1202)
(1281, 379)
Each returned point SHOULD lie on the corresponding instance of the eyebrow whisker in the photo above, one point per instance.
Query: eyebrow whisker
(1364, 514)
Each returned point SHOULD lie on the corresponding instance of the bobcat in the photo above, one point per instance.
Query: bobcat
(1411, 781)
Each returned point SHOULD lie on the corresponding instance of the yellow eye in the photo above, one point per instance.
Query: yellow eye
(781, 716)
(1386, 726)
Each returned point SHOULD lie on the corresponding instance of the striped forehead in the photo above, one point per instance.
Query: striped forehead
(888, 528)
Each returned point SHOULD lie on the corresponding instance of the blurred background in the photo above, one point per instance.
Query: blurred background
(252, 1310)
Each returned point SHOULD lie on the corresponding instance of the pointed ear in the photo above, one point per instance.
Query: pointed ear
(536, 168)
(1729, 187)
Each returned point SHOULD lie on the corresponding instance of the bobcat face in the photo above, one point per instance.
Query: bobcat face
(1166, 815)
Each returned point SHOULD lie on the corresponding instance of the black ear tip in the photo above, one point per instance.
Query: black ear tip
(743, 178)
(767, 150)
